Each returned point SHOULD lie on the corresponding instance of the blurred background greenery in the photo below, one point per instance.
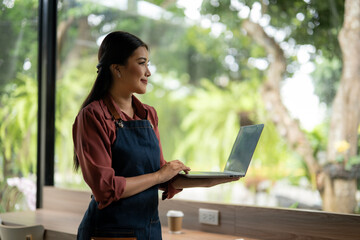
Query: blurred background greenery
(208, 78)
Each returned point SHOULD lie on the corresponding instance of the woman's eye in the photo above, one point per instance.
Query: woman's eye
(144, 63)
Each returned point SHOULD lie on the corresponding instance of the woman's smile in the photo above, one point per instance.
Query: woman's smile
(145, 81)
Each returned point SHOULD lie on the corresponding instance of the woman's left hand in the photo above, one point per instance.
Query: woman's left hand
(216, 181)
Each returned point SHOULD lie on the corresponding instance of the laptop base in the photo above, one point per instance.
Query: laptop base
(199, 174)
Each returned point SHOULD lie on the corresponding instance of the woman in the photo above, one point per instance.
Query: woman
(117, 146)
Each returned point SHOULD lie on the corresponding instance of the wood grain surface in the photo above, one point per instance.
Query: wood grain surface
(64, 209)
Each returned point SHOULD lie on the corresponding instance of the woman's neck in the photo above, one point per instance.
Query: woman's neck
(124, 103)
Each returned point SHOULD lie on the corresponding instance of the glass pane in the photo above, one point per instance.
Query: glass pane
(209, 76)
(18, 104)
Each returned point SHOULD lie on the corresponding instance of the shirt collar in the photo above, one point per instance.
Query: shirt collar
(139, 108)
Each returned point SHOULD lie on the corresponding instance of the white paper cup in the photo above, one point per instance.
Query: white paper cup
(175, 221)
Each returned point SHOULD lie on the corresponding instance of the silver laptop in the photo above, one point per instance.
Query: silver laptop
(240, 156)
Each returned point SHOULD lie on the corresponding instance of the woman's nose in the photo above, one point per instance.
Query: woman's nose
(147, 73)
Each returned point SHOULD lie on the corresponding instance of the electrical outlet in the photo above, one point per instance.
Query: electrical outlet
(208, 216)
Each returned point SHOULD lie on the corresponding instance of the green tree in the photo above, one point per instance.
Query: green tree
(18, 137)
(18, 26)
(211, 126)
(18, 127)
(18, 96)
(308, 23)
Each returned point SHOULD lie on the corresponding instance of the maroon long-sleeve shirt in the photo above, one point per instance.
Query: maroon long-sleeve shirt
(94, 132)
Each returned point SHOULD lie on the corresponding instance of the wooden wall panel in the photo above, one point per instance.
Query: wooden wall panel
(295, 224)
(59, 199)
(191, 217)
(238, 220)
(267, 223)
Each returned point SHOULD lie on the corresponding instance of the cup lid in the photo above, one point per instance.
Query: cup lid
(174, 213)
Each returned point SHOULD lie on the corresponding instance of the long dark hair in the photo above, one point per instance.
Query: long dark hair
(116, 48)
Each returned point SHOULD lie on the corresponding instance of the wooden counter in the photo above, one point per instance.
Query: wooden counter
(197, 235)
(64, 209)
(63, 226)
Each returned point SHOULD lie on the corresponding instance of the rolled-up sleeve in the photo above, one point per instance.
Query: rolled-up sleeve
(92, 143)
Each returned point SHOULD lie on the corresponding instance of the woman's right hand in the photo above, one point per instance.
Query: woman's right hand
(170, 170)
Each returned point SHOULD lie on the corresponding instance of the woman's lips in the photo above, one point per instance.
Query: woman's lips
(145, 81)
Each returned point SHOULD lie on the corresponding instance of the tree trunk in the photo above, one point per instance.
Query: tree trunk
(339, 192)
(288, 127)
(61, 33)
(82, 43)
(346, 108)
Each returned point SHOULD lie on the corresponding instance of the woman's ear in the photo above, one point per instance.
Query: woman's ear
(115, 70)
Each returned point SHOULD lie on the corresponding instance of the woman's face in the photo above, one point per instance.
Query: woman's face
(134, 75)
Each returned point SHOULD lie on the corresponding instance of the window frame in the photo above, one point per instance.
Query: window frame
(46, 96)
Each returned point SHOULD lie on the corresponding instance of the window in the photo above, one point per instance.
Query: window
(209, 77)
(18, 104)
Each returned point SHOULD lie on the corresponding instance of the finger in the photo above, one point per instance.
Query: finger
(186, 168)
(181, 165)
(178, 162)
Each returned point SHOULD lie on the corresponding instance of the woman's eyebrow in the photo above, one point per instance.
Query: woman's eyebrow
(142, 58)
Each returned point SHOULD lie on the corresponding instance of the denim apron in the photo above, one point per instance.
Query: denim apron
(135, 152)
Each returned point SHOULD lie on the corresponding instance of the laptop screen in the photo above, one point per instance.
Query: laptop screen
(243, 148)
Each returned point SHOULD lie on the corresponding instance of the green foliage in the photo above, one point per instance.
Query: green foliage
(294, 205)
(211, 121)
(353, 161)
(327, 73)
(273, 158)
(18, 138)
(316, 27)
(318, 138)
(19, 127)
(18, 96)
(18, 25)
(70, 93)
(78, 9)
(303, 22)
(200, 100)
(167, 95)
(191, 110)
(202, 54)
(211, 125)
(170, 6)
